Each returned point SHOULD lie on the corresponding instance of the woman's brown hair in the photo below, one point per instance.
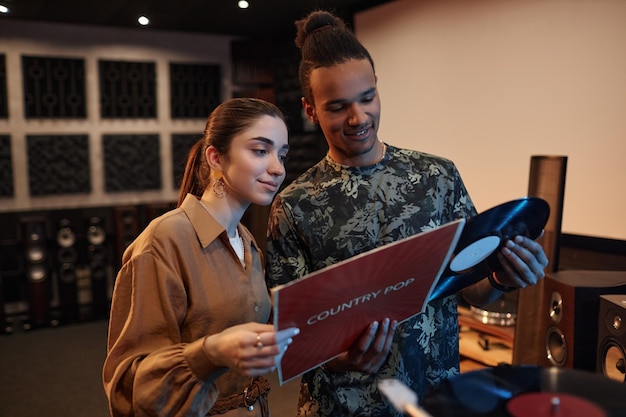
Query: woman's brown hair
(225, 122)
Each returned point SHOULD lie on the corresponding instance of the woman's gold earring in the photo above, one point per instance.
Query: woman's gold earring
(219, 187)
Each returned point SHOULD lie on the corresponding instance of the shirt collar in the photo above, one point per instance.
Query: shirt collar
(206, 227)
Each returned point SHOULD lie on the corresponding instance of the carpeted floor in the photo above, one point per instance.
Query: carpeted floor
(56, 372)
(53, 371)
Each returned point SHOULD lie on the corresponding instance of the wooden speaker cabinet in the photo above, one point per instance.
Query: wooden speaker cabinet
(565, 332)
(547, 181)
(38, 272)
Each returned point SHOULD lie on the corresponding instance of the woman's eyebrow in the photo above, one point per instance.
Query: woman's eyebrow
(269, 141)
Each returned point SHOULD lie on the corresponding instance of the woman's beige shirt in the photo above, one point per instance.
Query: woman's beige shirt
(180, 281)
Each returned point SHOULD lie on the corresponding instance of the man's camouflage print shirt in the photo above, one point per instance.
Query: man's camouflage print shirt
(333, 212)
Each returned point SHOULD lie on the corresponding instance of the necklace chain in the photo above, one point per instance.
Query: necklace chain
(205, 207)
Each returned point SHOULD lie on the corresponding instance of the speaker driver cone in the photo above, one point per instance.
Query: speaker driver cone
(556, 307)
(556, 346)
(66, 237)
(614, 362)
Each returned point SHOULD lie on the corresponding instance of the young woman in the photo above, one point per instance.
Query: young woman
(188, 332)
(362, 195)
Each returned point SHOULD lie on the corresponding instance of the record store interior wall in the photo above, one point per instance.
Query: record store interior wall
(79, 102)
(487, 84)
(490, 83)
(95, 127)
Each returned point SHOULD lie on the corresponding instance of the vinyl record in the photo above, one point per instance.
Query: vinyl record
(484, 234)
(525, 391)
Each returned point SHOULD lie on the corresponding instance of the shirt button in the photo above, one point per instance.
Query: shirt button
(256, 308)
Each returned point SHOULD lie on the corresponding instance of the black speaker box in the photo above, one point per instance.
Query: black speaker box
(127, 225)
(11, 281)
(98, 260)
(157, 209)
(612, 337)
(4, 323)
(567, 323)
(66, 267)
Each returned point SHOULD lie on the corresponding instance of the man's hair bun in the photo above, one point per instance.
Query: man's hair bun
(316, 21)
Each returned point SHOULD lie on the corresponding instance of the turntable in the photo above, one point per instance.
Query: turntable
(527, 391)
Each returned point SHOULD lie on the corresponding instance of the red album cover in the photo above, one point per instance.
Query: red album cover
(333, 306)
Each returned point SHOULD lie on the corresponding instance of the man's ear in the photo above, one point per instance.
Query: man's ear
(309, 110)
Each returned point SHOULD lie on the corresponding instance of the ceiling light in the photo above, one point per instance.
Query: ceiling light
(4, 9)
(143, 20)
(243, 4)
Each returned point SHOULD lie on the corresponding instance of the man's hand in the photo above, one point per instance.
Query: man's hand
(523, 263)
(368, 353)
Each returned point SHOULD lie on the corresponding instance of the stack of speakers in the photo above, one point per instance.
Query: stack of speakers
(59, 266)
(571, 321)
(82, 269)
(571, 318)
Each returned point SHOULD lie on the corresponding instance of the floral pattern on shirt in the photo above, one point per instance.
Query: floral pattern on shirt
(333, 212)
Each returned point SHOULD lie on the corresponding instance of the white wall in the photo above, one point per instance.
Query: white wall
(92, 43)
(489, 83)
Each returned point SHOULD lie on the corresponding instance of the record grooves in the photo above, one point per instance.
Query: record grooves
(475, 255)
(527, 391)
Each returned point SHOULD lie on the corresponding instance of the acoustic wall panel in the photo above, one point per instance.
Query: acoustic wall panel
(195, 90)
(132, 162)
(127, 89)
(54, 87)
(58, 164)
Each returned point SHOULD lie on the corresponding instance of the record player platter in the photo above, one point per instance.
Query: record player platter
(527, 391)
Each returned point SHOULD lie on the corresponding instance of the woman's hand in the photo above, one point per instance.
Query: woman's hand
(251, 349)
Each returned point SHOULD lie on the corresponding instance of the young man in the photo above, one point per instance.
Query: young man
(363, 195)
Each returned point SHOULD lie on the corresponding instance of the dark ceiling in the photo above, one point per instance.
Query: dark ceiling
(264, 18)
